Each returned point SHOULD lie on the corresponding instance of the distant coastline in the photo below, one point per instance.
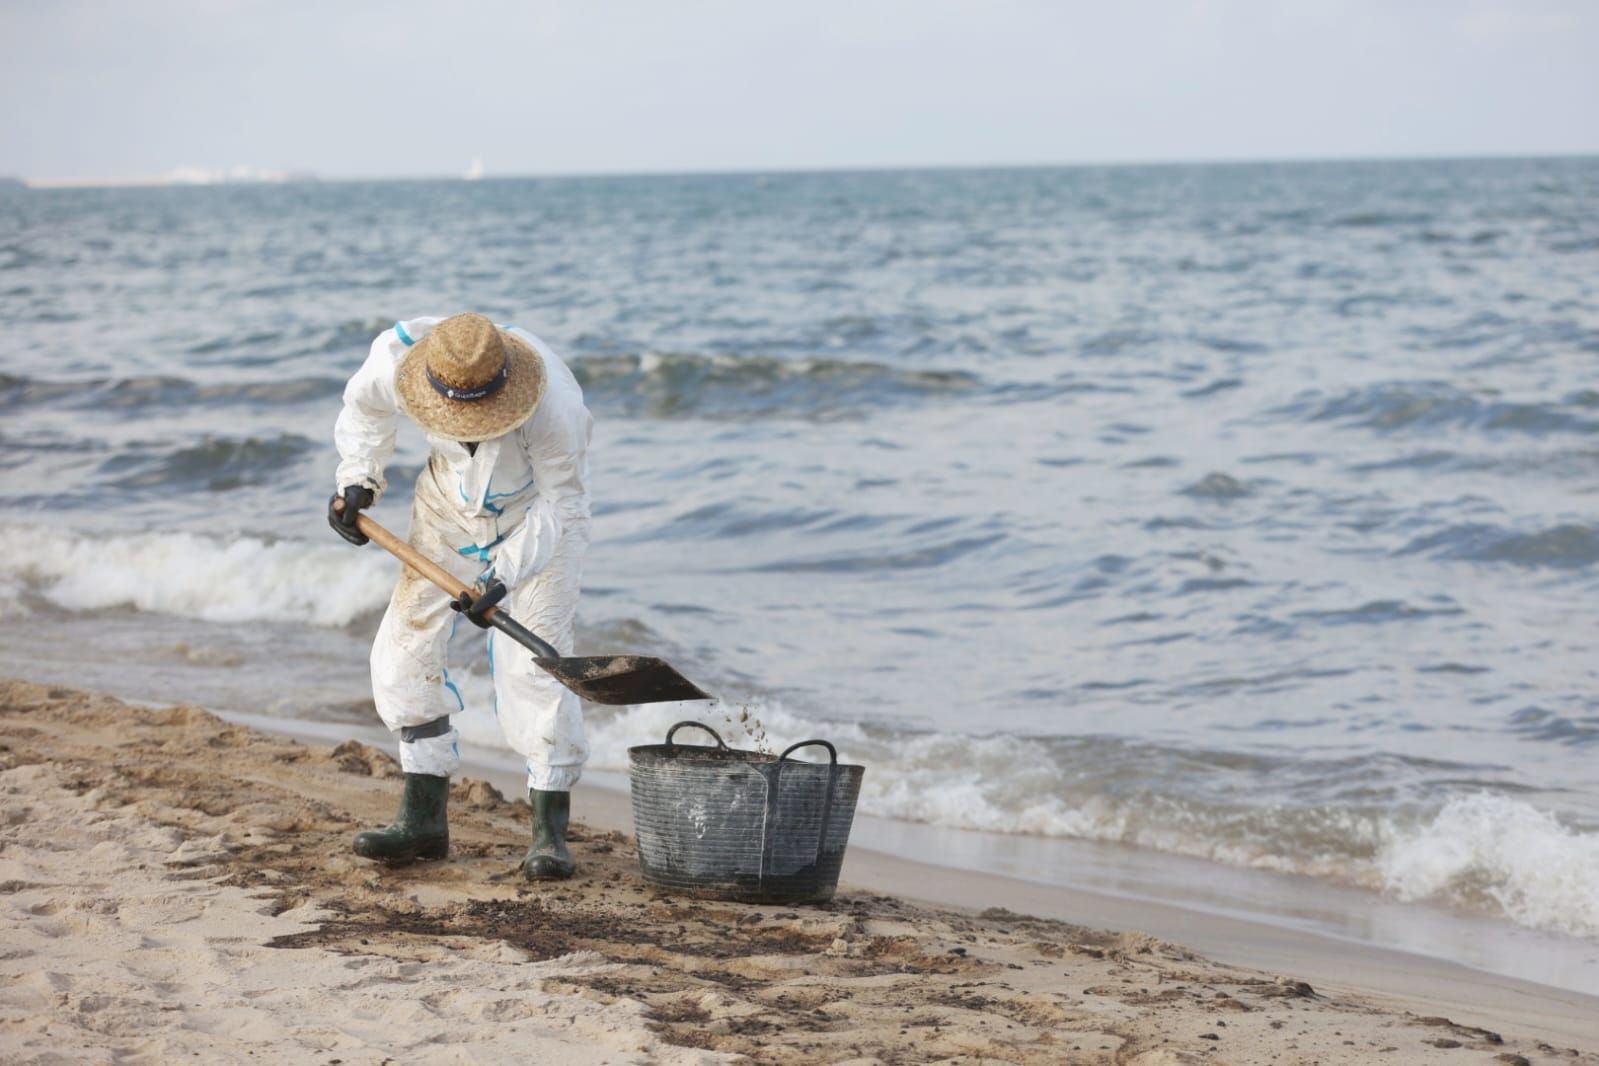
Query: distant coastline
(237, 175)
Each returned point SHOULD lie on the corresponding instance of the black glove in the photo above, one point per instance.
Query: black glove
(474, 607)
(355, 499)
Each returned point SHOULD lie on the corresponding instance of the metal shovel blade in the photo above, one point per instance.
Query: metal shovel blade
(622, 679)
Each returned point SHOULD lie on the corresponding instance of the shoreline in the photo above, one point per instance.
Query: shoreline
(186, 659)
(175, 884)
(1491, 1000)
(1226, 935)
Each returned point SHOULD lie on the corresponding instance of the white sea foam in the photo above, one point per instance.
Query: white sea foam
(11, 605)
(237, 579)
(1540, 872)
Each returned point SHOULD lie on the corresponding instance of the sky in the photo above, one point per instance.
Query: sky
(355, 88)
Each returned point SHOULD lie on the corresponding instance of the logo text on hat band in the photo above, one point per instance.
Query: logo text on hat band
(477, 392)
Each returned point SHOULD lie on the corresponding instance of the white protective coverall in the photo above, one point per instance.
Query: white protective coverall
(517, 510)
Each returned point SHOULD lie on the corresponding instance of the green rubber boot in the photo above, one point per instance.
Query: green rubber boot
(419, 831)
(548, 859)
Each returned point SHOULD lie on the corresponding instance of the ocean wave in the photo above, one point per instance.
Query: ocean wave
(1564, 547)
(214, 463)
(216, 579)
(1380, 612)
(1393, 406)
(353, 335)
(1381, 219)
(734, 519)
(912, 558)
(1462, 855)
(1115, 342)
(1489, 849)
(1218, 486)
(11, 604)
(234, 340)
(157, 390)
(1540, 723)
(682, 385)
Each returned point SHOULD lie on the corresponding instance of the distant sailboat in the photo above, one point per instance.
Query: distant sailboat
(475, 171)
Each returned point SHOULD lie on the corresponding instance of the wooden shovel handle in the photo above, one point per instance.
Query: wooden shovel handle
(411, 557)
(408, 555)
(453, 586)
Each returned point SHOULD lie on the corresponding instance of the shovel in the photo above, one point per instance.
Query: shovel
(615, 679)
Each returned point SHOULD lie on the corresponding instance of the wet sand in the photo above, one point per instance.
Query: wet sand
(176, 886)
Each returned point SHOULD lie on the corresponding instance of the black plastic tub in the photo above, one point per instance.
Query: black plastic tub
(723, 823)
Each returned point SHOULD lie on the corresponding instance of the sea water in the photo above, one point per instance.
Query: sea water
(1242, 514)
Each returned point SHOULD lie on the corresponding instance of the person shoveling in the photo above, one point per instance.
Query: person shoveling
(499, 527)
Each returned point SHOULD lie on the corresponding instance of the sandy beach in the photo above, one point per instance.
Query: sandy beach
(176, 887)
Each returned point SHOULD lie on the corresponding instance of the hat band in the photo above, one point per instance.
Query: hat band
(477, 392)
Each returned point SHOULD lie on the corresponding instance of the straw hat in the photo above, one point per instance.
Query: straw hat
(468, 381)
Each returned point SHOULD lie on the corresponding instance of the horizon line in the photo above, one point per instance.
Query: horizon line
(305, 175)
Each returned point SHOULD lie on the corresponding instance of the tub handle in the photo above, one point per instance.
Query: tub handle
(701, 725)
(832, 752)
(773, 776)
